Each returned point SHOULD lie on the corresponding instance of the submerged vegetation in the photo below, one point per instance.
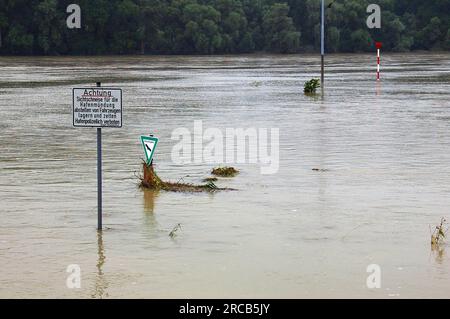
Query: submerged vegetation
(173, 233)
(311, 86)
(38, 27)
(439, 234)
(225, 171)
(151, 180)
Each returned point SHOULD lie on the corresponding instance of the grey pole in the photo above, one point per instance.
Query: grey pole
(99, 174)
(322, 44)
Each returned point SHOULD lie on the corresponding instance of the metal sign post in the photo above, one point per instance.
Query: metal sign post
(322, 44)
(99, 175)
(97, 107)
(99, 178)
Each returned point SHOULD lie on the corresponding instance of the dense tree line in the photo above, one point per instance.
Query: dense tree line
(219, 26)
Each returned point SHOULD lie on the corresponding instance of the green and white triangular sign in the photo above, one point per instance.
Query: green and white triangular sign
(149, 144)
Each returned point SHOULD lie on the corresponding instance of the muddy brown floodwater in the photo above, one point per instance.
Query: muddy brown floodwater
(381, 155)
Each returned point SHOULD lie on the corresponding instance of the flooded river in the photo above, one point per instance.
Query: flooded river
(364, 171)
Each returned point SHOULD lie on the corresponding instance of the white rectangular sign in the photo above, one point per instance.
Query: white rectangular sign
(97, 107)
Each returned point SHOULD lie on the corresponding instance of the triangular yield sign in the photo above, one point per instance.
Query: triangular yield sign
(149, 144)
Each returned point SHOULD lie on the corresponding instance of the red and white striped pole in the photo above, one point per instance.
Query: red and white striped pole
(378, 45)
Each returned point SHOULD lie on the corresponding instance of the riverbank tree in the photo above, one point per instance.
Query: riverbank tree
(218, 26)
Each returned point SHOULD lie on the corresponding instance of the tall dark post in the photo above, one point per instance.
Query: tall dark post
(322, 44)
(322, 71)
(99, 174)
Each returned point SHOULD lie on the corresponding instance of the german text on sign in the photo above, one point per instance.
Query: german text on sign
(97, 107)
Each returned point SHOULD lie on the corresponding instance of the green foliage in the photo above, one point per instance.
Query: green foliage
(311, 86)
(225, 171)
(219, 26)
(19, 41)
(48, 20)
(447, 40)
(333, 37)
(280, 33)
(360, 40)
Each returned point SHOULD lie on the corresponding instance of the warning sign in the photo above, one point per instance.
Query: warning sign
(97, 107)
(149, 144)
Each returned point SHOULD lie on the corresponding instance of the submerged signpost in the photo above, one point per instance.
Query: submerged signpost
(322, 40)
(322, 43)
(97, 107)
(378, 46)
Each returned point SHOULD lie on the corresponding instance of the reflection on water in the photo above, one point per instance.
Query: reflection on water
(439, 254)
(378, 88)
(149, 200)
(101, 283)
(152, 227)
(381, 150)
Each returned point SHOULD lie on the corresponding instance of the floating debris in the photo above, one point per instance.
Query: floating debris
(210, 179)
(225, 171)
(151, 180)
(438, 234)
(320, 170)
(172, 234)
